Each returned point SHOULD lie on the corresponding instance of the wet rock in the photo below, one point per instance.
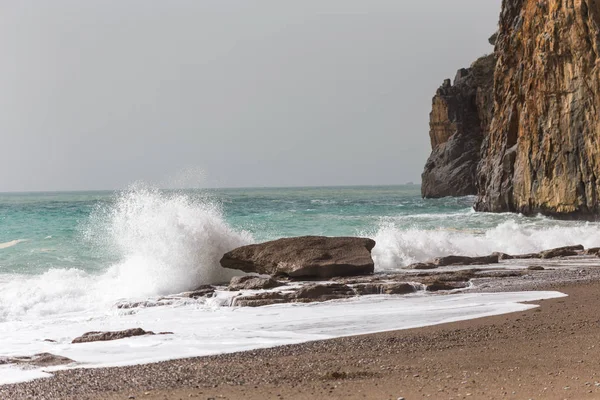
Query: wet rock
(319, 292)
(262, 299)
(562, 252)
(38, 360)
(594, 251)
(503, 256)
(460, 260)
(536, 268)
(253, 283)
(423, 266)
(106, 336)
(456, 261)
(308, 294)
(202, 291)
(305, 257)
(440, 285)
(126, 305)
(526, 256)
(384, 288)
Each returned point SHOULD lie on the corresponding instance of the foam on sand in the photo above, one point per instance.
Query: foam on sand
(205, 328)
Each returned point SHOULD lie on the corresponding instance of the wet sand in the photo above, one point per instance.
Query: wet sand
(551, 352)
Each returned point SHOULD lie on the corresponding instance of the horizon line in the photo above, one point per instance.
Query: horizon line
(216, 188)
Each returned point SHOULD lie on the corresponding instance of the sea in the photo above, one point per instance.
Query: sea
(67, 259)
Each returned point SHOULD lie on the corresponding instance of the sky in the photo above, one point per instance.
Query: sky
(99, 94)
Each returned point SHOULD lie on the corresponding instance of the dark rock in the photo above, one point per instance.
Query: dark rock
(594, 251)
(458, 121)
(503, 256)
(368, 289)
(460, 260)
(398, 288)
(536, 268)
(319, 292)
(307, 256)
(526, 256)
(253, 283)
(492, 39)
(202, 291)
(307, 294)
(384, 288)
(38, 360)
(562, 252)
(262, 299)
(126, 305)
(197, 294)
(105, 336)
(456, 261)
(423, 266)
(440, 285)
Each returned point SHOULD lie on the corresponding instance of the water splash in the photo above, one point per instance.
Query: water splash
(163, 243)
(398, 247)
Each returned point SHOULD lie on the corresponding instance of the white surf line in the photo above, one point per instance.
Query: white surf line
(12, 243)
(204, 331)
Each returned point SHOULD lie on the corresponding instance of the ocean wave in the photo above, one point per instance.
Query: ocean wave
(12, 243)
(163, 244)
(397, 247)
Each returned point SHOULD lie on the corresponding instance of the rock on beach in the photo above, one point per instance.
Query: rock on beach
(305, 257)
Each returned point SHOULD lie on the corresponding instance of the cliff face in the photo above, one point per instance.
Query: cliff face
(542, 152)
(459, 121)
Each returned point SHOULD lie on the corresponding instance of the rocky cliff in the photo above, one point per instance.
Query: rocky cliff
(542, 152)
(534, 119)
(458, 123)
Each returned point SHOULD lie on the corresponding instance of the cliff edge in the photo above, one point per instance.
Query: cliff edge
(542, 153)
(458, 121)
(539, 146)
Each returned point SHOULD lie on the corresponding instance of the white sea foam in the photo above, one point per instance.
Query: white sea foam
(397, 247)
(12, 243)
(202, 330)
(164, 244)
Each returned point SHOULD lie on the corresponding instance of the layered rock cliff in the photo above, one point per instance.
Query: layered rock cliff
(458, 123)
(539, 124)
(542, 153)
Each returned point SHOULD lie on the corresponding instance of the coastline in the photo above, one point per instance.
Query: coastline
(547, 352)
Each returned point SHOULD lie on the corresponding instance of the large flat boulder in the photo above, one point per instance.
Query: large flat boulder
(305, 257)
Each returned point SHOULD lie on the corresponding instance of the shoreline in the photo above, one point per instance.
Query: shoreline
(550, 345)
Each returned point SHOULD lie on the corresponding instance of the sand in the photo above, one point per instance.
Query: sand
(551, 352)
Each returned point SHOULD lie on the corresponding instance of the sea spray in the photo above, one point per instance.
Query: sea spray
(161, 243)
(398, 247)
(167, 242)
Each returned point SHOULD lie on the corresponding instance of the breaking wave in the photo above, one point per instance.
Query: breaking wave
(398, 247)
(163, 243)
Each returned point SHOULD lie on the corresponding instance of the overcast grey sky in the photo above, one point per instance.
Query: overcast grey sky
(97, 94)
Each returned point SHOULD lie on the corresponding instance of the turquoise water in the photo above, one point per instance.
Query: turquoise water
(54, 228)
(90, 231)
